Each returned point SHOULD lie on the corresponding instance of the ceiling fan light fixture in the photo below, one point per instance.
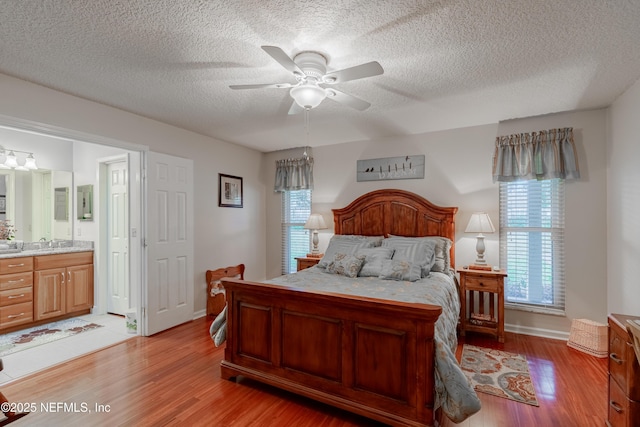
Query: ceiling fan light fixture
(309, 95)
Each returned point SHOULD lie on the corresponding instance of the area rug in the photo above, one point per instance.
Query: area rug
(32, 337)
(499, 373)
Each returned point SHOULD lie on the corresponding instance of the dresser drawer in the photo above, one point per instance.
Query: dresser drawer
(16, 314)
(480, 283)
(623, 412)
(623, 365)
(16, 296)
(16, 265)
(17, 280)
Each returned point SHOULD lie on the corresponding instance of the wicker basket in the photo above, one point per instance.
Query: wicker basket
(589, 337)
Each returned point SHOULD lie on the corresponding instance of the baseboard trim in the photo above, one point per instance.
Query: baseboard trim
(537, 332)
(201, 313)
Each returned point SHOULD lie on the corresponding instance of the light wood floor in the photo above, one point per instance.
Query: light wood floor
(173, 378)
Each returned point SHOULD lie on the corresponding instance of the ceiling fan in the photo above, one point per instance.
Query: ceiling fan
(310, 70)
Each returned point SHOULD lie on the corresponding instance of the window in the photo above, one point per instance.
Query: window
(296, 208)
(532, 244)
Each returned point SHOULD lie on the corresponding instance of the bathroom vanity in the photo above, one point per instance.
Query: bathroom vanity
(42, 285)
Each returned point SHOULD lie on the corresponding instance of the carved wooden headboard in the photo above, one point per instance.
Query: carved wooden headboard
(396, 212)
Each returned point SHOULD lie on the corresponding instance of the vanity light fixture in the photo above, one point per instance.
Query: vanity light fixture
(11, 160)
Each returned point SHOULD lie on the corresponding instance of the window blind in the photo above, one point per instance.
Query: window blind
(532, 244)
(296, 240)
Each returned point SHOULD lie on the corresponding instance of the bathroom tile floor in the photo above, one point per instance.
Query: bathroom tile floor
(35, 359)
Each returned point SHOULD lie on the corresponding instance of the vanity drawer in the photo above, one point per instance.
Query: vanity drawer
(482, 283)
(13, 281)
(16, 265)
(16, 296)
(16, 314)
(46, 262)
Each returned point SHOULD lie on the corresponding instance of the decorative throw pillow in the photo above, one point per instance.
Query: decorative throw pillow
(344, 244)
(419, 252)
(345, 264)
(400, 270)
(373, 258)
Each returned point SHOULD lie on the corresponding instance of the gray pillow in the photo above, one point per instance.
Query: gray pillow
(346, 265)
(419, 252)
(400, 270)
(442, 261)
(373, 258)
(344, 244)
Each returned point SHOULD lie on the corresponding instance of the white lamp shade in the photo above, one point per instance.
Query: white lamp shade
(480, 223)
(315, 222)
(309, 95)
(30, 163)
(12, 160)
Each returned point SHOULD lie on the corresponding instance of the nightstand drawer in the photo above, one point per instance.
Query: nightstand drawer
(482, 283)
(306, 262)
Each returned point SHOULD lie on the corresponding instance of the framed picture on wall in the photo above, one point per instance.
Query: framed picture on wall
(229, 191)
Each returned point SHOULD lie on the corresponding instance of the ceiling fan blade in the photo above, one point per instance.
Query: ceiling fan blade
(262, 86)
(358, 72)
(295, 109)
(284, 59)
(347, 99)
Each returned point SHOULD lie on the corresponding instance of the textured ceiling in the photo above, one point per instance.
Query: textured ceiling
(447, 64)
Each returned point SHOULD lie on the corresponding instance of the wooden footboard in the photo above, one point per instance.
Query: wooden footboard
(368, 356)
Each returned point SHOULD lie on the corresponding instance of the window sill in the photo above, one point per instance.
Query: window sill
(534, 309)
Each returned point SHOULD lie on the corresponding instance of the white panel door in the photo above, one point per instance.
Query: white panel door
(118, 287)
(170, 277)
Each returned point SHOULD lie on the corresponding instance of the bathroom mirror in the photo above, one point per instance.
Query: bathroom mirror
(61, 204)
(85, 202)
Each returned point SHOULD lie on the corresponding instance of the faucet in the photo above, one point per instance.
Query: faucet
(44, 240)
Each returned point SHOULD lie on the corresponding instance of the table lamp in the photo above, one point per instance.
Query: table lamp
(480, 223)
(315, 223)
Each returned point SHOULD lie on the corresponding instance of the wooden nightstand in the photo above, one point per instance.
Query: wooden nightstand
(480, 314)
(306, 262)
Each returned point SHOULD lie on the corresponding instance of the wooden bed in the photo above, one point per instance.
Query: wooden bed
(369, 356)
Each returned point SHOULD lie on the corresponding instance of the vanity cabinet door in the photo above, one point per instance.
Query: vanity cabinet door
(50, 293)
(79, 288)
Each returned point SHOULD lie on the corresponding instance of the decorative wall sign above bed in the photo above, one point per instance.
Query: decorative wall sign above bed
(407, 167)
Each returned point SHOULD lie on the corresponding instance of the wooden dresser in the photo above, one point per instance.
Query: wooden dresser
(624, 375)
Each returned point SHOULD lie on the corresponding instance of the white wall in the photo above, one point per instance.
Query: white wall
(623, 201)
(223, 236)
(458, 173)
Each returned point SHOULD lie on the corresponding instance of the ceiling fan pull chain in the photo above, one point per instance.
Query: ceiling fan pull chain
(306, 127)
